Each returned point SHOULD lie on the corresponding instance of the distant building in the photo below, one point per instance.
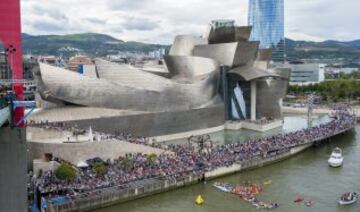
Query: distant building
(4, 68)
(75, 63)
(48, 59)
(267, 19)
(307, 73)
(222, 23)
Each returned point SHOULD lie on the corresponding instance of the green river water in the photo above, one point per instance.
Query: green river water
(306, 174)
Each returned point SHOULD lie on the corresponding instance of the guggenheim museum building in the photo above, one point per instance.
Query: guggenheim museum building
(209, 80)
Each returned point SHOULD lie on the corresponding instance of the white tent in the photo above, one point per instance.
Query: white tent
(82, 164)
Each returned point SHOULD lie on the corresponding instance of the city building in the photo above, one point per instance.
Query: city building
(76, 63)
(5, 72)
(222, 23)
(307, 73)
(267, 20)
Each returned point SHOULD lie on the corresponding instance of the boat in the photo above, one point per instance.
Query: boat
(336, 159)
(267, 182)
(348, 198)
(199, 200)
(298, 199)
(223, 187)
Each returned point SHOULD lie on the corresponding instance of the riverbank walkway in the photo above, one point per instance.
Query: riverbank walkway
(187, 166)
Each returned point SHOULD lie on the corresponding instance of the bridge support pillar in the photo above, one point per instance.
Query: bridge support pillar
(13, 184)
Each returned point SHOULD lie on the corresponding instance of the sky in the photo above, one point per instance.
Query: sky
(158, 21)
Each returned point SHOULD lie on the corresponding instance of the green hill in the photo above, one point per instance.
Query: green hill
(100, 45)
(323, 50)
(87, 43)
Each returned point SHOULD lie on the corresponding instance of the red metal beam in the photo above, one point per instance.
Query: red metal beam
(10, 36)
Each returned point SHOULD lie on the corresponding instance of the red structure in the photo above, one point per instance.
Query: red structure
(10, 37)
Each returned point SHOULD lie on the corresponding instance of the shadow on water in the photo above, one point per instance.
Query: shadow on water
(306, 174)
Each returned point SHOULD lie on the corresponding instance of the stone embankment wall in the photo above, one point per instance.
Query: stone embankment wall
(111, 196)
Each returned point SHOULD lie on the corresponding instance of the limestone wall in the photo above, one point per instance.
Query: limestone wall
(156, 124)
(76, 152)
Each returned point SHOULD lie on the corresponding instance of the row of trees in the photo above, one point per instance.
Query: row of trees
(330, 91)
(347, 76)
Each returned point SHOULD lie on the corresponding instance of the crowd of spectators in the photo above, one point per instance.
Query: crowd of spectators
(186, 158)
(262, 121)
(4, 95)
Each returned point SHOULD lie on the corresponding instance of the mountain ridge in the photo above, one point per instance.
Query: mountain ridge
(96, 44)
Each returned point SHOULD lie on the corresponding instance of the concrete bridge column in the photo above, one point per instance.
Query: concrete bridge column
(253, 100)
(13, 190)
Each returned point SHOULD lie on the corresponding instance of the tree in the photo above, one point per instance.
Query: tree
(65, 172)
(127, 164)
(99, 168)
(151, 158)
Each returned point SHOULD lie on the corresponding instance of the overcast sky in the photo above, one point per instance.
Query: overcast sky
(158, 21)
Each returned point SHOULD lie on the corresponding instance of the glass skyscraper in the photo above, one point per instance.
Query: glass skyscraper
(267, 19)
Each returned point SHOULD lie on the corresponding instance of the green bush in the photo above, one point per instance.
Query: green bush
(65, 172)
(99, 168)
(127, 164)
(152, 157)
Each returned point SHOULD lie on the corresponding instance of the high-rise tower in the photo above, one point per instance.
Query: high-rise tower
(267, 19)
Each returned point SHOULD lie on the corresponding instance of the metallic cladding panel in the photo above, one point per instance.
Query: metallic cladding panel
(190, 67)
(229, 34)
(243, 33)
(229, 54)
(127, 75)
(264, 54)
(251, 73)
(81, 90)
(269, 95)
(184, 45)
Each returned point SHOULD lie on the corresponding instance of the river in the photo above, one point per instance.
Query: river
(306, 174)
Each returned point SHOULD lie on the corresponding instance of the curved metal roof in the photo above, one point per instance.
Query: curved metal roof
(252, 73)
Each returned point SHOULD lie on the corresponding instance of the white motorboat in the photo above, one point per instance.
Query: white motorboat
(336, 159)
(223, 187)
(348, 198)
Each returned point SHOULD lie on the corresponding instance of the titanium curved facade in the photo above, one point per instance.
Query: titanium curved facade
(267, 19)
(71, 87)
(223, 70)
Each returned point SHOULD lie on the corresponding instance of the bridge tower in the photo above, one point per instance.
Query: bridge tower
(13, 141)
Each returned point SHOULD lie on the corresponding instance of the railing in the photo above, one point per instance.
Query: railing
(106, 196)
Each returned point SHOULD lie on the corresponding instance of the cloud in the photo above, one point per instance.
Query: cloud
(140, 24)
(44, 26)
(158, 21)
(95, 20)
(126, 5)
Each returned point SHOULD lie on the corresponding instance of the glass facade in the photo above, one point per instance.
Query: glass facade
(267, 19)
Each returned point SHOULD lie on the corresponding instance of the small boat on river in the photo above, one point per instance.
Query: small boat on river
(224, 187)
(336, 159)
(348, 198)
